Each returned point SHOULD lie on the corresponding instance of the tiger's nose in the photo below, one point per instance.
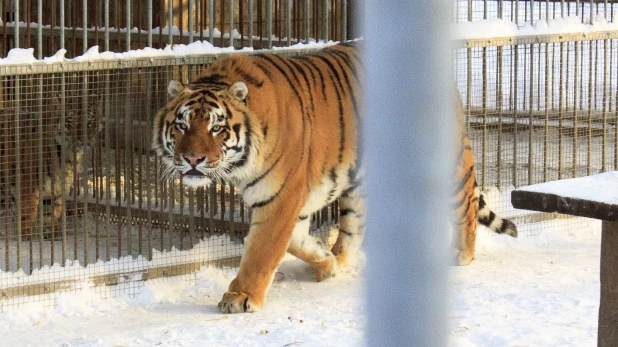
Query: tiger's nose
(193, 159)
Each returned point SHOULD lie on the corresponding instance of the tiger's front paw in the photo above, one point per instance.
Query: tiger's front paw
(234, 302)
(461, 258)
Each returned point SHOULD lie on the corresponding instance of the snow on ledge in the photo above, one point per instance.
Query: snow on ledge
(26, 55)
(601, 188)
(493, 28)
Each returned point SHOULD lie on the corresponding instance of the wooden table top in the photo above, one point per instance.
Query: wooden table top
(593, 196)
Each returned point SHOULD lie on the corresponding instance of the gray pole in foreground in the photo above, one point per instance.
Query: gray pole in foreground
(408, 126)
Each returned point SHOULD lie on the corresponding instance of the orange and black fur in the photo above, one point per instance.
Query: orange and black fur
(42, 138)
(285, 131)
(468, 202)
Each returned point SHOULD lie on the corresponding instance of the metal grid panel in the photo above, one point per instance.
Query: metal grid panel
(76, 25)
(522, 11)
(540, 111)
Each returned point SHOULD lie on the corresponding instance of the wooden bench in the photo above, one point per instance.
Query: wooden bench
(593, 197)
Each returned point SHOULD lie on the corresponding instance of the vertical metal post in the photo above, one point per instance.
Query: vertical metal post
(190, 20)
(418, 314)
(16, 13)
(39, 30)
(546, 125)
(532, 15)
(250, 22)
(606, 62)
(470, 11)
(590, 103)
(288, 22)
(149, 9)
(344, 20)
(269, 24)
(306, 20)
(62, 23)
(591, 14)
(170, 21)
(325, 17)
(128, 26)
(106, 24)
(576, 105)
(231, 7)
(531, 117)
(85, 24)
(211, 22)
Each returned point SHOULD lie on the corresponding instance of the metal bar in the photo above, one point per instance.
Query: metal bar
(576, 105)
(190, 20)
(128, 165)
(18, 172)
(85, 24)
(149, 206)
(231, 6)
(170, 21)
(605, 106)
(484, 112)
(222, 23)
(128, 26)
(591, 13)
(325, 16)
(470, 18)
(211, 24)
(499, 97)
(306, 20)
(84, 173)
(39, 30)
(530, 119)
(515, 114)
(41, 165)
(532, 12)
(269, 24)
(546, 125)
(63, 161)
(590, 100)
(149, 9)
(250, 23)
(16, 36)
(344, 20)
(213, 206)
(106, 19)
(422, 309)
(288, 21)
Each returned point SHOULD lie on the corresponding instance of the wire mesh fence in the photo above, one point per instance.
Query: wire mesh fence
(76, 25)
(531, 11)
(540, 109)
(81, 194)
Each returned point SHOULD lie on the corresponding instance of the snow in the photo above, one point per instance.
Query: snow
(540, 290)
(600, 188)
(495, 28)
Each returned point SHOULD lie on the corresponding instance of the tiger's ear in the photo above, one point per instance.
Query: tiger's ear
(174, 88)
(239, 90)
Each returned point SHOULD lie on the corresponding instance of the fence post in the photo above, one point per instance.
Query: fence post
(408, 101)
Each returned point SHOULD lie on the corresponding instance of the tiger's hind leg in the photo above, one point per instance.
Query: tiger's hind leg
(465, 225)
(312, 250)
(351, 227)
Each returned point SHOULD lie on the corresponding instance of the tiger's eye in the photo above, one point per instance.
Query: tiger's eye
(216, 128)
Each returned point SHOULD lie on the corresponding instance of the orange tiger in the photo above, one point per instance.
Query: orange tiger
(33, 184)
(285, 131)
(468, 202)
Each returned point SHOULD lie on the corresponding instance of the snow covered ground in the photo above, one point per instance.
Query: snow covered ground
(539, 290)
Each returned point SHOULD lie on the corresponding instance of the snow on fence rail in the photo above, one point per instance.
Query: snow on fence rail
(76, 25)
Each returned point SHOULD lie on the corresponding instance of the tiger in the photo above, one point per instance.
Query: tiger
(468, 202)
(60, 147)
(285, 131)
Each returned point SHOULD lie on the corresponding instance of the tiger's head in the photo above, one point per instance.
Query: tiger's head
(204, 132)
(82, 122)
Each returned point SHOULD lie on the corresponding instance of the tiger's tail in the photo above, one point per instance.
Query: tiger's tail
(492, 221)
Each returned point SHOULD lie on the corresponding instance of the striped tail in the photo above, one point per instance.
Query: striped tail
(492, 221)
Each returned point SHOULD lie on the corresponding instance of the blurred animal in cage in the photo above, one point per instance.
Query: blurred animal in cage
(41, 157)
(468, 202)
(285, 131)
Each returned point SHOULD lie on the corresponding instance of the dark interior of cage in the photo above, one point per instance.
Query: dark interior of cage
(79, 180)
